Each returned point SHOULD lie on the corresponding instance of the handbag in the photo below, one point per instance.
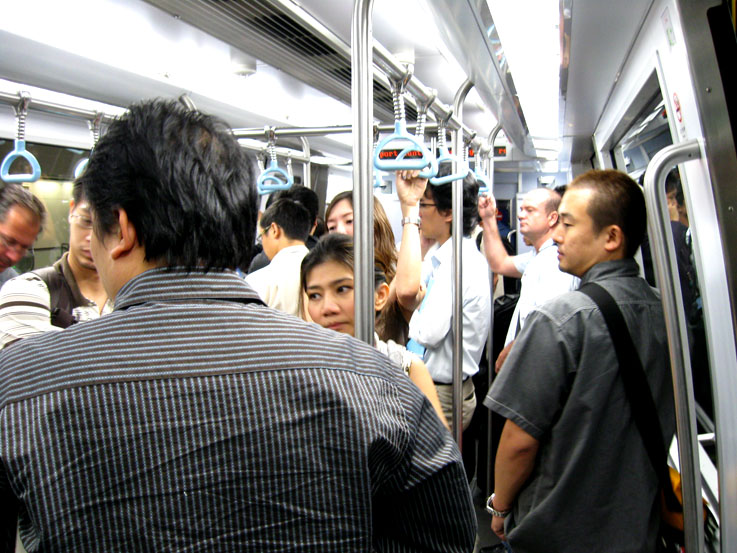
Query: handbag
(645, 415)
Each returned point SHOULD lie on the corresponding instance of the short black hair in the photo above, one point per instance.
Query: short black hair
(78, 191)
(291, 216)
(186, 185)
(13, 194)
(673, 182)
(616, 200)
(303, 195)
(442, 195)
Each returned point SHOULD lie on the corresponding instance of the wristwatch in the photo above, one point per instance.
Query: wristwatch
(411, 220)
(492, 511)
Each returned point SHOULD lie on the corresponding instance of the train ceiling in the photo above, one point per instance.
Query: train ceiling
(306, 45)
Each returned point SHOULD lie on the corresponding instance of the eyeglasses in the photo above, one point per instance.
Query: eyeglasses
(426, 204)
(82, 221)
(260, 236)
(12, 244)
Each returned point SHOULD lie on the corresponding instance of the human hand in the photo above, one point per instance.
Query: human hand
(497, 526)
(410, 187)
(503, 356)
(487, 206)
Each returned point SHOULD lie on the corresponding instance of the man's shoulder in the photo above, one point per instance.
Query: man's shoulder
(210, 339)
(27, 283)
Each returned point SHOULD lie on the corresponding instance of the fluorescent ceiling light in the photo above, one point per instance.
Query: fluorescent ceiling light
(530, 38)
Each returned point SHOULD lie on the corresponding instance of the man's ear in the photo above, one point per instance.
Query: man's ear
(125, 237)
(614, 239)
(553, 219)
(277, 230)
(447, 215)
(381, 296)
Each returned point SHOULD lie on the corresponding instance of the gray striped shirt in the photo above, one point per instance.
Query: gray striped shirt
(193, 418)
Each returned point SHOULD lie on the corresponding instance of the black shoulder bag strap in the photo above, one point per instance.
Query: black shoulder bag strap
(636, 388)
(60, 296)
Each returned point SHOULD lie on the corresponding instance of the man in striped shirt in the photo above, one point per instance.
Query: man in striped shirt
(58, 296)
(195, 418)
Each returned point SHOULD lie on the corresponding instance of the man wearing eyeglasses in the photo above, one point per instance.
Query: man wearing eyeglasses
(55, 297)
(22, 216)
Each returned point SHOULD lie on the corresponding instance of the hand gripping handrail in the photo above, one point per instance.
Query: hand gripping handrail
(400, 133)
(446, 157)
(273, 177)
(95, 128)
(19, 149)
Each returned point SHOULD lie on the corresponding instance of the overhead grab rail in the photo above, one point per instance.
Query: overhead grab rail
(401, 136)
(273, 177)
(19, 149)
(95, 127)
(457, 162)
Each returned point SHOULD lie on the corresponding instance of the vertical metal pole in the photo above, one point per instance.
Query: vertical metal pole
(490, 340)
(457, 280)
(307, 168)
(362, 101)
(666, 275)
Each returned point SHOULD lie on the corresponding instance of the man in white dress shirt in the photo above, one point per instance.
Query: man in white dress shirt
(430, 329)
(285, 226)
(542, 280)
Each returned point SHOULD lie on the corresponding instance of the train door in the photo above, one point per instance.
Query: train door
(670, 112)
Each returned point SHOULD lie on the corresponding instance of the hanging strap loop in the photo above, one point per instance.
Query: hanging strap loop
(19, 149)
(273, 178)
(419, 156)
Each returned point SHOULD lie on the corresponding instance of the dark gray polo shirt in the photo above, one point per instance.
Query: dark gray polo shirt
(593, 486)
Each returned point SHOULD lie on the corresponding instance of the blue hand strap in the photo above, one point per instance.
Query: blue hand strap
(274, 178)
(19, 150)
(483, 182)
(400, 163)
(447, 157)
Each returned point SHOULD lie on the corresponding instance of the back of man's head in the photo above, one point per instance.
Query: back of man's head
(617, 200)
(185, 184)
(304, 196)
(291, 216)
(14, 195)
(442, 195)
(551, 200)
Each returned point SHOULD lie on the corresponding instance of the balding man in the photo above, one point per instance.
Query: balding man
(542, 280)
(22, 216)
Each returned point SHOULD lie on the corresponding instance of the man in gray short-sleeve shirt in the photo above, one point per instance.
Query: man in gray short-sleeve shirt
(572, 471)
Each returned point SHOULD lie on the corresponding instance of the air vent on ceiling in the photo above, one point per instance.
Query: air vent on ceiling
(283, 36)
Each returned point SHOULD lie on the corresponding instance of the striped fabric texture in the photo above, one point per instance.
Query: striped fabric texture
(194, 418)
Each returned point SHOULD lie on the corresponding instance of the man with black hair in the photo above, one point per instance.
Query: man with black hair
(193, 417)
(22, 216)
(572, 470)
(430, 328)
(309, 200)
(55, 297)
(285, 226)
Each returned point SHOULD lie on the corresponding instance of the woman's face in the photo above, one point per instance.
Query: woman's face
(329, 288)
(341, 218)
